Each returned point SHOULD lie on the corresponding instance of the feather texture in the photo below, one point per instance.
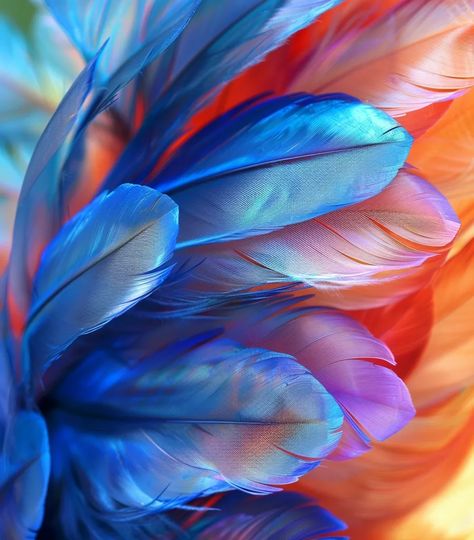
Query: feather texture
(37, 217)
(352, 364)
(133, 230)
(237, 37)
(361, 256)
(135, 32)
(199, 417)
(281, 162)
(418, 53)
(338, 352)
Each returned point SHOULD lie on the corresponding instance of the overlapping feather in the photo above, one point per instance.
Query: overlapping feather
(198, 417)
(125, 238)
(365, 255)
(200, 63)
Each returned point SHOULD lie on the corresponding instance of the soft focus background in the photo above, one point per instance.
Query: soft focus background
(19, 10)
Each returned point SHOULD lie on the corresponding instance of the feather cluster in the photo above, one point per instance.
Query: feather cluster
(230, 251)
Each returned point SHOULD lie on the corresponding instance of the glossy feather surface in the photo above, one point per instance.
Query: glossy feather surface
(123, 240)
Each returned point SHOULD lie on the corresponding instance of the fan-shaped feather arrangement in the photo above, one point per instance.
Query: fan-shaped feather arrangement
(236, 245)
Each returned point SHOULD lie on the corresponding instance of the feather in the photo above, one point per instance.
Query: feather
(198, 417)
(419, 53)
(37, 217)
(342, 354)
(361, 256)
(136, 32)
(24, 475)
(282, 515)
(32, 82)
(281, 162)
(238, 36)
(275, 74)
(133, 230)
(407, 57)
(337, 350)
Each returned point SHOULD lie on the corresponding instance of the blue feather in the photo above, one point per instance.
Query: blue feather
(24, 475)
(188, 421)
(284, 515)
(37, 217)
(284, 161)
(135, 32)
(100, 264)
(237, 36)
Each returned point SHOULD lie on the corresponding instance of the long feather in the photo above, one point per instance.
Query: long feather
(343, 355)
(281, 162)
(419, 53)
(100, 264)
(238, 36)
(361, 256)
(37, 217)
(198, 417)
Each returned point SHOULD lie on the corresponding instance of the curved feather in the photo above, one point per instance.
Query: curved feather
(343, 355)
(136, 32)
(24, 475)
(419, 53)
(37, 217)
(338, 352)
(237, 35)
(100, 264)
(364, 255)
(281, 162)
(33, 79)
(187, 421)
